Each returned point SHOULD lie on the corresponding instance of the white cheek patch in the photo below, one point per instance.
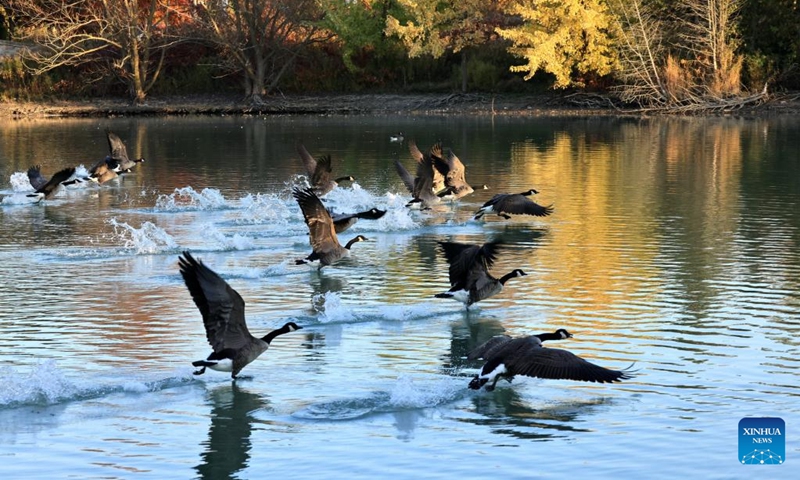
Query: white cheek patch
(223, 366)
(499, 370)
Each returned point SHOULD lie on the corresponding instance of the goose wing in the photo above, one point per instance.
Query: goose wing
(321, 230)
(406, 177)
(526, 356)
(487, 349)
(469, 264)
(49, 188)
(308, 161)
(423, 183)
(451, 167)
(522, 205)
(436, 155)
(220, 305)
(416, 153)
(322, 172)
(117, 150)
(35, 177)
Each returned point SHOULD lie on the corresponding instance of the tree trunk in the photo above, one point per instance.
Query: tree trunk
(463, 71)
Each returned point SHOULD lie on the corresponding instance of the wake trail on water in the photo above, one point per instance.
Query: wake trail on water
(406, 393)
(46, 384)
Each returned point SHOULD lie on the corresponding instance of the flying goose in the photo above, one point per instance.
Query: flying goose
(222, 309)
(322, 233)
(435, 152)
(517, 203)
(421, 186)
(470, 280)
(114, 164)
(454, 174)
(343, 221)
(319, 172)
(47, 188)
(506, 357)
(396, 137)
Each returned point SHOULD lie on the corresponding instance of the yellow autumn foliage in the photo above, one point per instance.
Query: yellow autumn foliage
(562, 37)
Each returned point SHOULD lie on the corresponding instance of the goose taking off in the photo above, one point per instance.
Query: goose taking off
(114, 164)
(506, 357)
(517, 203)
(322, 233)
(118, 154)
(222, 309)
(47, 188)
(421, 186)
(320, 172)
(470, 280)
(454, 174)
(343, 221)
(435, 152)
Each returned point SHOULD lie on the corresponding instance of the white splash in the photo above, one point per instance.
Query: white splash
(149, 238)
(408, 392)
(187, 198)
(44, 384)
(265, 208)
(405, 312)
(20, 183)
(330, 308)
(356, 199)
(228, 242)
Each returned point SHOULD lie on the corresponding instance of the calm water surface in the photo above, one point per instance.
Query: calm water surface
(673, 246)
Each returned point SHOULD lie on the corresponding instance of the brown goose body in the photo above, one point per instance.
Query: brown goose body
(506, 357)
(470, 280)
(47, 188)
(222, 309)
(320, 172)
(325, 245)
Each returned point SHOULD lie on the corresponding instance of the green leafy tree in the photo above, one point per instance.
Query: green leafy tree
(562, 37)
(359, 26)
(433, 27)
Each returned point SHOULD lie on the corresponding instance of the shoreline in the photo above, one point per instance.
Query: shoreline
(546, 104)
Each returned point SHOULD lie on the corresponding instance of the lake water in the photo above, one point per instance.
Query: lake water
(674, 246)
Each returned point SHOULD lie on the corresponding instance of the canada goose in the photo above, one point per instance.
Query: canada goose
(119, 154)
(114, 164)
(470, 280)
(319, 172)
(517, 203)
(222, 309)
(47, 188)
(322, 233)
(506, 357)
(343, 221)
(396, 138)
(421, 186)
(454, 174)
(434, 152)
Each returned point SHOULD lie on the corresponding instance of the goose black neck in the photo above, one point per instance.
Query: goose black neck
(351, 242)
(548, 336)
(271, 335)
(507, 276)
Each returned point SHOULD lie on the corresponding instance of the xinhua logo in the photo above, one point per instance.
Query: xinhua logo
(762, 441)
